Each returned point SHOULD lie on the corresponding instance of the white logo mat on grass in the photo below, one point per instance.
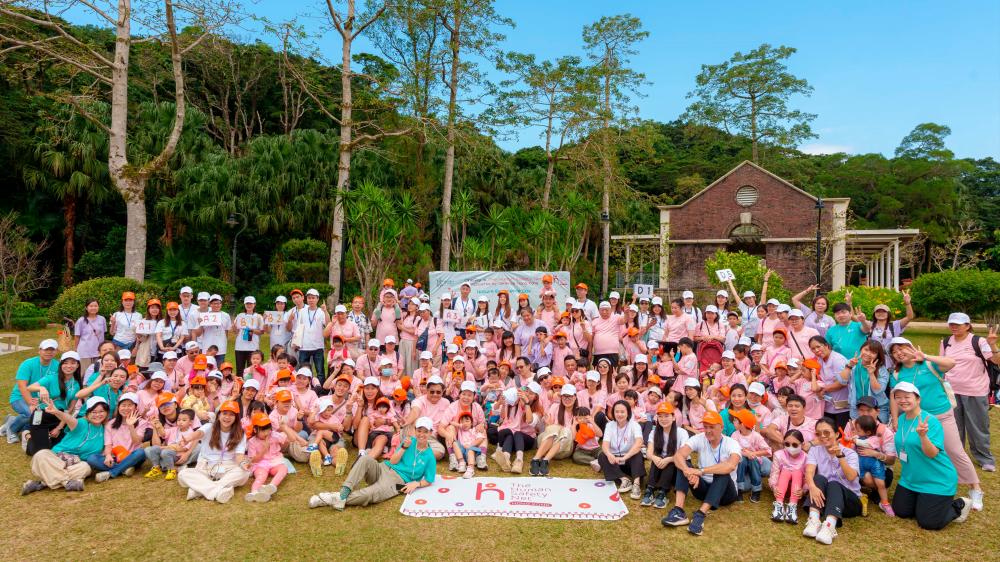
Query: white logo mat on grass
(526, 498)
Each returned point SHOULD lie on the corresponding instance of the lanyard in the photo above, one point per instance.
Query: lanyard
(717, 454)
(185, 313)
(908, 428)
(622, 435)
(128, 318)
(313, 317)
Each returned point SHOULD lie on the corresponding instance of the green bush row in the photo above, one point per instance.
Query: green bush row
(866, 298)
(974, 292)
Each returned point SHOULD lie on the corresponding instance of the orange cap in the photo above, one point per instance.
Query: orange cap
(260, 419)
(199, 380)
(128, 295)
(712, 417)
(463, 414)
(504, 362)
(584, 433)
(547, 278)
(299, 291)
(523, 296)
(200, 362)
(132, 369)
(173, 306)
(471, 328)
(746, 417)
(654, 379)
(780, 331)
(230, 406)
(558, 381)
(164, 398)
(283, 395)
(383, 400)
(283, 374)
(417, 285)
(581, 286)
(503, 292)
(151, 302)
(781, 365)
(344, 378)
(399, 394)
(560, 333)
(724, 390)
(389, 282)
(665, 408)
(633, 331)
(811, 364)
(119, 452)
(458, 341)
(405, 381)
(226, 365)
(564, 314)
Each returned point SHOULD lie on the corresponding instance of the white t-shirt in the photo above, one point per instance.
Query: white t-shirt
(254, 322)
(279, 333)
(589, 308)
(125, 325)
(170, 332)
(189, 316)
(218, 455)
(711, 456)
(682, 437)
(313, 322)
(217, 335)
(621, 438)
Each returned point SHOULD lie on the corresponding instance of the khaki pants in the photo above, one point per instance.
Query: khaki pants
(563, 440)
(381, 480)
(52, 471)
(297, 452)
(199, 478)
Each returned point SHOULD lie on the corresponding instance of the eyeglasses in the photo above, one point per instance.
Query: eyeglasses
(824, 433)
(434, 392)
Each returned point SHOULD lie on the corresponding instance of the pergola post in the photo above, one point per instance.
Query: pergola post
(895, 266)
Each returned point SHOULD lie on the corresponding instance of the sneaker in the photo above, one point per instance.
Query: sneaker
(250, 497)
(989, 468)
(864, 505)
(595, 465)
(362, 452)
(74, 485)
(517, 467)
(778, 513)
(647, 498)
(25, 437)
(792, 514)
(469, 472)
(660, 500)
(327, 460)
(887, 508)
(225, 495)
(340, 461)
(12, 438)
(481, 462)
(625, 485)
(827, 532)
(103, 476)
(462, 466)
(966, 509)
(636, 490)
(755, 497)
(171, 475)
(452, 463)
(156, 472)
(129, 471)
(269, 489)
(316, 463)
(977, 499)
(697, 526)
(533, 468)
(675, 518)
(502, 459)
(812, 528)
(192, 494)
(32, 486)
(739, 497)
(311, 447)
(321, 499)
(6, 423)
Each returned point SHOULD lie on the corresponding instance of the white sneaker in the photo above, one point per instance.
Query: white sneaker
(469, 472)
(595, 465)
(461, 467)
(337, 503)
(625, 485)
(225, 495)
(269, 489)
(260, 496)
(319, 501)
(827, 532)
(12, 438)
(452, 463)
(481, 462)
(636, 490)
(6, 422)
(812, 528)
(102, 476)
(966, 509)
(250, 497)
(977, 499)
(192, 494)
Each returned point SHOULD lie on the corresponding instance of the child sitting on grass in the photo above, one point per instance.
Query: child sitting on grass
(468, 443)
(174, 447)
(787, 475)
(264, 451)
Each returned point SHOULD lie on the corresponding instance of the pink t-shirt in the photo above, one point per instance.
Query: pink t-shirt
(414, 323)
(753, 441)
(814, 400)
(678, 327)
(387, 324)
(367, 367)
(767, 326)
(782, 461)
(469, 437)
(290, 417)
(802, 338)
(123, 435)
(346, 330)
(605, 335)
(456, 407)
(807, 427)
(552, 413)
(270, 449)
(723, 379)
(596, 402)
(438, 413)
(306, 399)
(968, 377)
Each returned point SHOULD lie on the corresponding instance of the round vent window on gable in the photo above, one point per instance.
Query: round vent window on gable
(746, 195)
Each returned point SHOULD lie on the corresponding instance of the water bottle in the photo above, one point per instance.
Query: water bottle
(247, 335)
(36, 418)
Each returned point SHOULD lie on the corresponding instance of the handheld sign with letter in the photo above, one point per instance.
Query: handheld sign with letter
(145, 327)
(725, 275)
(642, 291)
(453, 316)
(210, 319)
(272, 317)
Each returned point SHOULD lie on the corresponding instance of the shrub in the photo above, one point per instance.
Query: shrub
(974, 292)
(265, 300)
(203, 283)
(28, 323)
(24, 309)
(108, 292)
(315, 272)
(867, 297)
(303, 258)
(749, 272)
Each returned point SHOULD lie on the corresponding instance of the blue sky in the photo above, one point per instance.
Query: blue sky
(878, 68)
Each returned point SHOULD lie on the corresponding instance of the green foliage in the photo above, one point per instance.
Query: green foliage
(265, 298)
(311, 272)
(210, 285)
(25, 309)
(177, 263)
(28, 323)
(749, 272)
(866, 298)
(105, 262)
(108, 292)
(304, 259)
(976, 293)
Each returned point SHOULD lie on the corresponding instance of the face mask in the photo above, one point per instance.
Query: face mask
(793, 451)
(753, 404)
(386, 372)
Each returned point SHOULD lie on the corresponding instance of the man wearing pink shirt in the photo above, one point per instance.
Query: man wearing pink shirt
(606, 328)
(433, 405)
(368, 364)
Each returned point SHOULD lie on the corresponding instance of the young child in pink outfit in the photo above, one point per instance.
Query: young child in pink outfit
(787, 474)
(264, 450)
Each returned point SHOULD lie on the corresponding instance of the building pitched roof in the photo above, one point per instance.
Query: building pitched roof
(730, 172)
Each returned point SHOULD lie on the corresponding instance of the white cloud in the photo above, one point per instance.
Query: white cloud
(822, 148)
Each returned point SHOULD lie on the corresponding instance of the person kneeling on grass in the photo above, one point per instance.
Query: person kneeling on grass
(714, 483)
(63, 464)
(411, 466)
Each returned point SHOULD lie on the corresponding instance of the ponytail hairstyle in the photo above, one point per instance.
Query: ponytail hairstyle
(671, 439)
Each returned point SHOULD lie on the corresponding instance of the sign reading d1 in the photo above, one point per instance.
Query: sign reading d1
(725, 275)
(643, 291)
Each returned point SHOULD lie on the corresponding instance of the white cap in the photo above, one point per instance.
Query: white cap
(324, 403)
(633, 308)
(775, 302)
(252, 383)
(641, 358)
(745, 341)
(374, 343)
(373, 381)
(390, 339)
(211, 361)
(350, 362)
(543, 372)
(312, 292)
(722, 293)
(687, 295)
(452, 348)
(468, 385)
(48, 344)
(615, 295)
(409, 280)
(69, 355)
(749, 294)
(757, 388)
(483, 299)
(471, 344)
(756, 347)
(692, 382)
(593, 376)
(653, 345)
(899, 340)
(425, 423)
(159, 376)
(796, 313)
(570, 301)
(568, 390)
(445, 296)
(644, 298)
(130, 396)
(215, 297)
(784, 308)
(657, 301)
(186, 289)
(281, 298)
(426, 355)
(466, 284)
(215, 375)
(510, 396)
(605, 304)
(959, 318)
(304, 372)
(728, 354)
(434, 379)
(340, 308)
(711, 308)
(203, 296)
(124, 354)
(249, 300)
(191, 345)
(905, 387)
(656, 389)
(534, 387)
(385, 361)
(459, 358)
(93, 401)
(423, 306)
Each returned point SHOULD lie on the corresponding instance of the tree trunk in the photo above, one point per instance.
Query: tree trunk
(449, 160)
(135, 228)
(551, 163)
(606, 195)
(344, 163)
(753, 132)
(69, 217)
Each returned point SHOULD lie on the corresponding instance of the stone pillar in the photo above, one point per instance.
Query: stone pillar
(664, 249)
(838, 255)
(895, 264)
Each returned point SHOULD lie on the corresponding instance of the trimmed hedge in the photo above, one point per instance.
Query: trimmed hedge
(108, 292)
(974, 292)
(265, 298)
(868, 297)
(211, 285)
(29, 323)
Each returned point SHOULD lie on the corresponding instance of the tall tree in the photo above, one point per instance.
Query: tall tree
(609, 42)
(749, 95)
(31, 25)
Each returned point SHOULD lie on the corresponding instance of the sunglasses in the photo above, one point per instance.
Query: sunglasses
(791, 444)
(434, 392)
(824, 433)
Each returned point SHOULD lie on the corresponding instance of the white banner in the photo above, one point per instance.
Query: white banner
(488, 283)
(526, 498)
(145, 327)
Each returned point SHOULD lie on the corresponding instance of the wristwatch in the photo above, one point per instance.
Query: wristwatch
(840, 456)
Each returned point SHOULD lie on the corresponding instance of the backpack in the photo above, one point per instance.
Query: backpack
(992, 369)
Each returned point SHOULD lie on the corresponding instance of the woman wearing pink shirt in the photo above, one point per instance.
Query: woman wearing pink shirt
(694, 406)
(411, 326)
(580, 334)
(387, 317)
(798, 336)
(594, 398)
(518, 419)
(556, 442)
(549, 311)
(607, 330)
(123, 438)
(475, 362)
(677, 326)
(146, 405)
(433, 405)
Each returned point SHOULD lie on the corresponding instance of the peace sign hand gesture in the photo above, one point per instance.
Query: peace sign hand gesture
(991, 337)
(906, 297)
(918, 354)
(853, 362)
(922, 428)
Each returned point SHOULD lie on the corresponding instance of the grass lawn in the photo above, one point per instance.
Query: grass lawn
(131, 518)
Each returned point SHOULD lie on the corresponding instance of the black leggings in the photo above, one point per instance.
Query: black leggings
(932, 512)
(720, 491)
(40, 433)
(601, 419)
(515, 441)
(662, 478)
(633, 468)
(839, 501)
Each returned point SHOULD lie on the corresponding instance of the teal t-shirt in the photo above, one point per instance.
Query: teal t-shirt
(107, 393)
(31, 371)
(933, 399)
(415, 465)
(51, 383)
(921, 473)
(846, 340)
(84, 440)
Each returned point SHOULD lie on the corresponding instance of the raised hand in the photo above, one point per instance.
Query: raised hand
(922, 428)
(991, 338)
(906, 296)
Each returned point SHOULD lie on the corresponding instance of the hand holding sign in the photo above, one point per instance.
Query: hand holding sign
(725, 275)
(145, 327)
(272, 318)
(210, 319)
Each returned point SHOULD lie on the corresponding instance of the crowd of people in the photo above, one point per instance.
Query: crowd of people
(665, 399)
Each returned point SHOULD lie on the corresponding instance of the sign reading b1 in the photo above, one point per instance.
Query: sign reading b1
(725, 275)
(643, 291)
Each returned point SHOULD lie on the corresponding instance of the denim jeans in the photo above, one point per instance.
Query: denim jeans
(318, 366)
(20, 407)
(751, 472)
(133, 460)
